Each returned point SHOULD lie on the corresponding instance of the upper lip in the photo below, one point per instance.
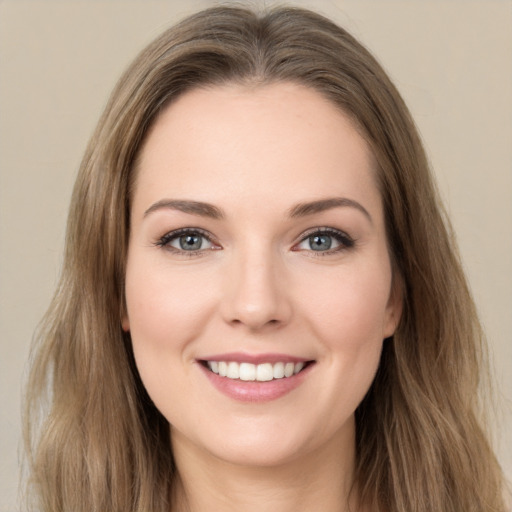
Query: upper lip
(240, 357)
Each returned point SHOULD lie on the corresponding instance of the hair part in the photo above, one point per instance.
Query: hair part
(102, 444)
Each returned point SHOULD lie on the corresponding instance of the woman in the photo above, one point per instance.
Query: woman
(261, 305)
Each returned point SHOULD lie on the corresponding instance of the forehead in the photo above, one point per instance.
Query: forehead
(273, 142)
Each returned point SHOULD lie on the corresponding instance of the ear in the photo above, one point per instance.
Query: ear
(123, 313)
(125, 323)
(394, 306)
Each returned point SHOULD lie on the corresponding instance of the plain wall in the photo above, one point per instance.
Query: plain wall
(451, 59)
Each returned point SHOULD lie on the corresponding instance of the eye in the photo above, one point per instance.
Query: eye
(187, 240)
(325, 241)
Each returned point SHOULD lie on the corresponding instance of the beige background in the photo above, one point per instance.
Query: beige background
(451, 59)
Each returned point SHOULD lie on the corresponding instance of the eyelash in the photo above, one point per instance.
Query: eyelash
(346, 242)
(164, 242)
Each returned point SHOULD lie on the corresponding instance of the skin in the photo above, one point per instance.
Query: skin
(259, 287)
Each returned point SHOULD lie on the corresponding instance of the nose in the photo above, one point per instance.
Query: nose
(256, 295)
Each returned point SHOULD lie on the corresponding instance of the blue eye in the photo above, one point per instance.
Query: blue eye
(190, 242)
(186, 241)
(325, 241)
(321, 242)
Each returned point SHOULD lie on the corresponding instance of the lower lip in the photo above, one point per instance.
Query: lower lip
(253, 391)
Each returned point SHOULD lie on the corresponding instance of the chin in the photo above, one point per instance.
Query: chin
(259, 455)
(267, 443)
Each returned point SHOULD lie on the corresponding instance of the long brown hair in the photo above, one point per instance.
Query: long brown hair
(98, 443)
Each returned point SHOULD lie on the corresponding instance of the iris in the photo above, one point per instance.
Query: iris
(320, 242)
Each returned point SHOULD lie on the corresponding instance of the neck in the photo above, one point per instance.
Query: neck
(322, 479)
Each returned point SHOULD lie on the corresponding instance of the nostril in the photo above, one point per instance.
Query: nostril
(254, 323)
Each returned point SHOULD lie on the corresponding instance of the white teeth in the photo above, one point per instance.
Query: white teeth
(264, 372)
(233, 370)
(223, 368)
(278, 370)
(247, 371)
(251, 372)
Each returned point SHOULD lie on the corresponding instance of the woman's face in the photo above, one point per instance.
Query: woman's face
(258, 282)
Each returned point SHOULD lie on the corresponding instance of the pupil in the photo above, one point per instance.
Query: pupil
(190, 242)
(320, 242)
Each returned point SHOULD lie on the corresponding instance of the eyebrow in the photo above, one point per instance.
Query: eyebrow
(321, 205)
(202, 209)
(193, 207)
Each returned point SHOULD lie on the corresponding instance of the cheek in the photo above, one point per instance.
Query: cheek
(166, 310)
(347, 320)
(349, 309)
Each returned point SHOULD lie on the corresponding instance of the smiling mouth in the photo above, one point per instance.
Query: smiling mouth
(248, 372)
